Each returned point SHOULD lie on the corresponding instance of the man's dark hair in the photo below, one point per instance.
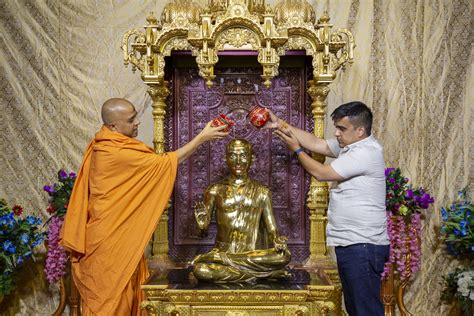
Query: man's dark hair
(357, 112)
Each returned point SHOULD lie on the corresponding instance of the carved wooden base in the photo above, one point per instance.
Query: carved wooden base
(308, 293)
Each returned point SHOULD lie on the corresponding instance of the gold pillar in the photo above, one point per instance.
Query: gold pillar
(159, 93)
(318, 192)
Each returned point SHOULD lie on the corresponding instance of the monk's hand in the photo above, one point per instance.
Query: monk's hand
(210, 133)
(273, 122)
(289, 138)
(280, 243)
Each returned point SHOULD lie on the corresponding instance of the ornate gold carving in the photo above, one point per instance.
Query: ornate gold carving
(176, 43)
(134, 55)
(217, 7)
(153, 308)
(237, 38)
(294, 12)
(314, 300)
(180, 12)
(325, 308)
(297, 43)
(239, 23)
(318, 192)
(158, 94)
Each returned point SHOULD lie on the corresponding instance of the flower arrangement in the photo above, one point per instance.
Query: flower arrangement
(457, 227)
(404, 204)
(59, 194)
(19, 235)
(459, 287)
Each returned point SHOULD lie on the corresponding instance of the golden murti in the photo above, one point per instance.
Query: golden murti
(245, 226)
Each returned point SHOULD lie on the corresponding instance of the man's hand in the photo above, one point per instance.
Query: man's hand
(273, 122)
(289, 138)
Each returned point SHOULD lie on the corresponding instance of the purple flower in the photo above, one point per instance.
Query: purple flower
(56, 257)
(62, 174)
(49, 189)
(409, 194)
(391, 180)
(72, 175)
(388, 170)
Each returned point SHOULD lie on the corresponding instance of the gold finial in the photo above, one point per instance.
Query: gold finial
(151, 19)
(325, 18)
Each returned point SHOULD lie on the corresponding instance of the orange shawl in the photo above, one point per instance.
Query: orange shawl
(120, 193)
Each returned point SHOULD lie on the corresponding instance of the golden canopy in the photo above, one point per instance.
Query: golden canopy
(242, 25)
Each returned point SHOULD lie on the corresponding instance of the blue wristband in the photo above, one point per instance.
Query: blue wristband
(298, 151)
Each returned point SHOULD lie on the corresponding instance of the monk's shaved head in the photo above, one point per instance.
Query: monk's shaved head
(119, 115)
(113, 109)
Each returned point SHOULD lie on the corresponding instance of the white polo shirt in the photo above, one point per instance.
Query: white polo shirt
(356, 211)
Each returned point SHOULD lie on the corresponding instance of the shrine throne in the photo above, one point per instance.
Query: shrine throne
(314, 287)
(199, 63)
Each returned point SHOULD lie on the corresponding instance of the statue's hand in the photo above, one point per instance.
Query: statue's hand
(200, 213)
(280, 243)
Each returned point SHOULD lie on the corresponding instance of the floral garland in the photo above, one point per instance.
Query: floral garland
(59, 194)
(403, 204)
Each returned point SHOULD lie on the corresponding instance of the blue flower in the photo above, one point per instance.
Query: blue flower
(24, 238)
(463, 227)
(39, 240)
(32, 220)
(444, 214)
(8, 246)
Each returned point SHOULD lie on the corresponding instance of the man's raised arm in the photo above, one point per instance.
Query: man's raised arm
(305, 139)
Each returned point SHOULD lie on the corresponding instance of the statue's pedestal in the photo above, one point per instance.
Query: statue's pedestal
(307, 292)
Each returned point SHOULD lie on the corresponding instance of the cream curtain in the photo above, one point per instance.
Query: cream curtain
(60, 60)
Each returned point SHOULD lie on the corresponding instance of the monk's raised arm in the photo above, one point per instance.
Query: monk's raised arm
(208, 133)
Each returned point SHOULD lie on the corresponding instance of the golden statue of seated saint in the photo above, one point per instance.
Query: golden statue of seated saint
(245, 220)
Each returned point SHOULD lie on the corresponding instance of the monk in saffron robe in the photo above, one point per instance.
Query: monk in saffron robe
(121, 190)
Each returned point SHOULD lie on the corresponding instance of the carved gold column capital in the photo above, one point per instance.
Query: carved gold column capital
(158, 94)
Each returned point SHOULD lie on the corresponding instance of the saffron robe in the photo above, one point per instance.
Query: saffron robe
(121, 190)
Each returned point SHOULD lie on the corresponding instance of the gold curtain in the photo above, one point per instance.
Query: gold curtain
(413, 66)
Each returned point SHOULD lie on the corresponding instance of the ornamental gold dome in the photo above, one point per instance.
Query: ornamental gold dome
(181, 9)
(294, 12)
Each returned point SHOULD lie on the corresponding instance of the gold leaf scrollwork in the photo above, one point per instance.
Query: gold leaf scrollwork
(237, 37)
(151, 307)
(134, 56)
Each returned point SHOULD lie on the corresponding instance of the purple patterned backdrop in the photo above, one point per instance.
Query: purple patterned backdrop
(236, 90)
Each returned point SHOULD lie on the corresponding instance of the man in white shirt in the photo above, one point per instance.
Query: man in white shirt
(356, 216)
